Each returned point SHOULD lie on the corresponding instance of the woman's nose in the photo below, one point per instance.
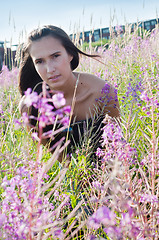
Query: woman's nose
(50, 67)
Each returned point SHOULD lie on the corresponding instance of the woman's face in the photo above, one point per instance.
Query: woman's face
(51, 61)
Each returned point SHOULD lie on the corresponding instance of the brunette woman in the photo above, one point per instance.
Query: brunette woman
(50, 56)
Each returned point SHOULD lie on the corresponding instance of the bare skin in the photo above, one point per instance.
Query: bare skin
(89, 91)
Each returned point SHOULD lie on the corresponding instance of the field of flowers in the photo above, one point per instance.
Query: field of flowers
(43, 199)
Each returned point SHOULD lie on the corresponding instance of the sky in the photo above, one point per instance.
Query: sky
(18, 18)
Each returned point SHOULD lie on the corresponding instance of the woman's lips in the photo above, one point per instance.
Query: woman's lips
(53, 78)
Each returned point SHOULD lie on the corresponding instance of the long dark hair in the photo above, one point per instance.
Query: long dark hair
(28, 77)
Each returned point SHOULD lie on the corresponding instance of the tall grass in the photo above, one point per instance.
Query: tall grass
(43, 199)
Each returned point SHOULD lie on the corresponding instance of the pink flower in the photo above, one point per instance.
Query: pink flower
(25, 118)
(65, 121)
(30, 98)
(17, 124)
(58, 100)
(144, 97)
(67, 110)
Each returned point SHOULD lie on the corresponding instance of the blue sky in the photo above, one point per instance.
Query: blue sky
(18, 17)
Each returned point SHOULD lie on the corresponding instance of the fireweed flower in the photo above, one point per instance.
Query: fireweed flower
(8, 78)
(144, 97)
(35, 136)
(24, 210)
(118, 29)
(105, 98)
(17, 124)
(92, 237)
(59, 100)
(67, 110)
(1, 111)
(30, 97)
(103, 215)
(133, 90)
(97, 185)
(150, 101)
(51, 110)
(127, 227)
(149, 198)
(106, 218)
(65, 121)
(1, 114)
(25, 118)
(115, 149)
(58, 233)
(99, 152)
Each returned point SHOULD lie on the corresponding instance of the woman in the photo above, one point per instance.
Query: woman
(50, 56)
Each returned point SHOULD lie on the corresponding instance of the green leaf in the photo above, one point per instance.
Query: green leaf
(73, 201)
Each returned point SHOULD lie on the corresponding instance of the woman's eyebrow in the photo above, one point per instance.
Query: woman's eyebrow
(55, 53)
(40, 58)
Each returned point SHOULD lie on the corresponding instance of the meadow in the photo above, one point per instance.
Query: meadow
(44, 199)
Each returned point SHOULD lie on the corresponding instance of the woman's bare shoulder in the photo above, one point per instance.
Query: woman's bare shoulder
(105, 92)
(92, 80)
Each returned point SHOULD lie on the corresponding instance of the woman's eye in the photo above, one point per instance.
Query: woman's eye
(56, 55)
(38, 62)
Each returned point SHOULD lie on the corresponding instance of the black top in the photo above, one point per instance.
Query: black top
(82, 133)
(86, 133)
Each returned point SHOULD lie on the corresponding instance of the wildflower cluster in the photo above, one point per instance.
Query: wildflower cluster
(115, 194)
(1, 114)
(150, 103)
(26, 212)
(114, 228)
(114, 145)
(105, 97)
(51, 112)
(8, 78)
(133, 92)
